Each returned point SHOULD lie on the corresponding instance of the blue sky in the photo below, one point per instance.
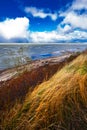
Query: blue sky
(39, 21)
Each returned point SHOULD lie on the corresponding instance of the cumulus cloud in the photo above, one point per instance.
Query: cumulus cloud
(52, 36)
(14, 28)
(56, 36)
(40, 13)
(75, 20)
(79, 4)
(65, 29)
(73, 27)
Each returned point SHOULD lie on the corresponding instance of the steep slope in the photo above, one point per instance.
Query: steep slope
(57, 104)
(27, 77)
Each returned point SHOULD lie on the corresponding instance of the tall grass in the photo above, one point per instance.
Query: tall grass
(16, 88)
(57, 104)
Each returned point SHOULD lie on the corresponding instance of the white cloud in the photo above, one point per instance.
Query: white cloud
(73, 27)
(40, 13)
(64, 29)
(77, 21)
(46, 36)
(58, 36)
(18, 29)
(14, 28)
(79, 4)
(67, 28)
(74, 19)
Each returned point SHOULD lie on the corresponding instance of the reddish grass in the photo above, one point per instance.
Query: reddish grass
(16, 89)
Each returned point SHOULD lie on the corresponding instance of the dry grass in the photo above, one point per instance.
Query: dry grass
(16, 89)
(57, 104)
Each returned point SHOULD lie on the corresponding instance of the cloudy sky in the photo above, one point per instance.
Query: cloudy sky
(39, 21)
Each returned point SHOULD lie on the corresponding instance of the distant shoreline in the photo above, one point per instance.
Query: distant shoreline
(13, 72)
(15, 54)
(85, 43)
(43, 60)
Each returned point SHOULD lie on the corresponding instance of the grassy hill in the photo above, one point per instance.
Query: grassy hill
(59, 103)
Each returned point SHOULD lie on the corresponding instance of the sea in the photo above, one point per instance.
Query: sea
(12, 55)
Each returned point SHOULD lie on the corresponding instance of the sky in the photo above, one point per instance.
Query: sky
(43, 21)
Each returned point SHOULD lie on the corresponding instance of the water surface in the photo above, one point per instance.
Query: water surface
(13, 55)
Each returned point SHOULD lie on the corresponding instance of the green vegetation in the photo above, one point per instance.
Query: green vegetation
(58, 103)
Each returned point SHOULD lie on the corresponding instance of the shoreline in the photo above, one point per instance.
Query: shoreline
(14, 72)
(75, 43)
